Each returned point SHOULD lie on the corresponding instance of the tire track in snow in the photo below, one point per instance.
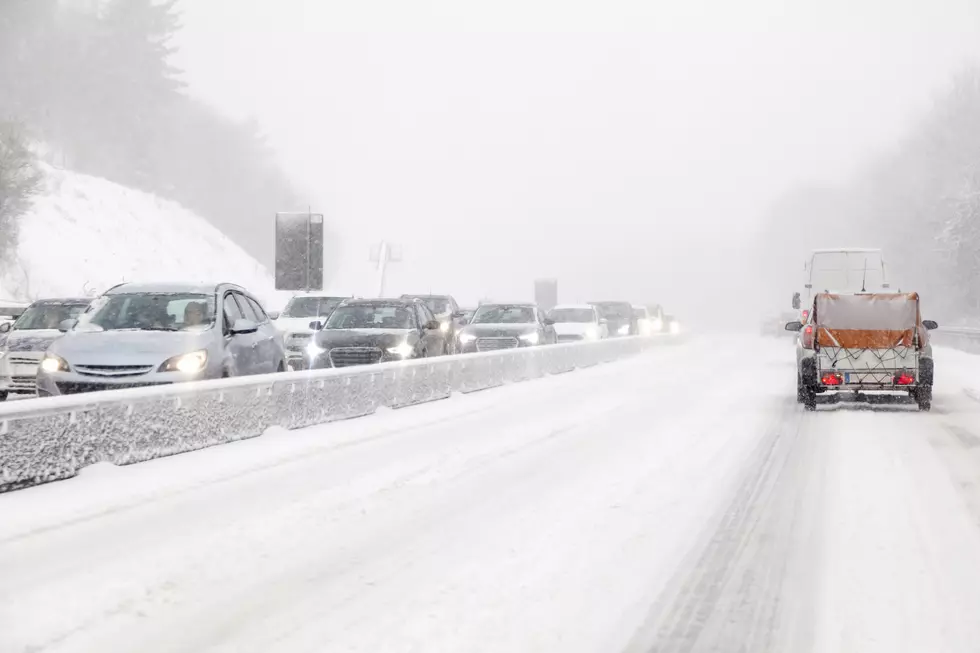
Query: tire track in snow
(727, 597)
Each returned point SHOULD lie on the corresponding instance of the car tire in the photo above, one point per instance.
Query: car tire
(923, 397)
(281, 367)
(3, 396)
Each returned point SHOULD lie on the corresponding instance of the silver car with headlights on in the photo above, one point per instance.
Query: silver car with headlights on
(154, 334)
(24, 341)
(507, 326)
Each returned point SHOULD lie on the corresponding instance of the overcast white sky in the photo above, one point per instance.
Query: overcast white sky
(596, 142)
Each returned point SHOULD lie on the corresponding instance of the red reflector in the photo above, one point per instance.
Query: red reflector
(831, 379)
(806, 314)
(904, 379)
(809, 330)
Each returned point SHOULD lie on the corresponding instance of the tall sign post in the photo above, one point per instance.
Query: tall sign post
(381, 255)
(299, 251)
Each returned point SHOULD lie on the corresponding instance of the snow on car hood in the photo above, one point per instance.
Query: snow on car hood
(574, 328)
(294, 324)
(31, 340)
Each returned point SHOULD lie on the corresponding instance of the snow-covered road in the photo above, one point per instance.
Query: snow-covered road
(677, 501)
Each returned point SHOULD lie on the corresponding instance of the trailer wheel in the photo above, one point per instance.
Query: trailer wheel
(923, 397)
(809, 399)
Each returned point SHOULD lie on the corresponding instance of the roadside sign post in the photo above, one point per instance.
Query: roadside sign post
(381, 255)
(299, 251)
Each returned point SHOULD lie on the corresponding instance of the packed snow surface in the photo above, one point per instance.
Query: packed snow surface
(677, 501)
(87, 234)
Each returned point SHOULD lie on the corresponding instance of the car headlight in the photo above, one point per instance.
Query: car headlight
(466, 337)
(313, 350)
(657, 324)
(444, 326)
(52, 363)
(531, 338)
(404, 350)
(592, 333)
(191, 363)
(624, 330)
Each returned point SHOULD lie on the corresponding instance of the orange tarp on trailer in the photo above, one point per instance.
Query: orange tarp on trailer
(868, 321)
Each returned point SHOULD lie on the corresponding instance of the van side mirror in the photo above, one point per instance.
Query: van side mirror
(796, 301)
(66, 325)
(549, 322)
(794, 326)
(433, 325)
(273, 315)
(5, 327)
(930, 324)
(316, 325)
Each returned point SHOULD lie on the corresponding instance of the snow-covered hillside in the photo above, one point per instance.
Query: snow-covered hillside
(85, 234)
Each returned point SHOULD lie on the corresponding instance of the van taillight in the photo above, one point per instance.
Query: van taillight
(808, 336)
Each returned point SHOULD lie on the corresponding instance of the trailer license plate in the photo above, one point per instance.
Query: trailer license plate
(847, 377)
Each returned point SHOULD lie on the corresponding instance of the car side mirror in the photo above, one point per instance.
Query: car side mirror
(66, 325)
(244, 326)
(316, 325)
(273, 315)
(603, 321)
(6, 327)
(796, 301)
(794, 326)
(930, 324)
(433, 325)
(549, 322)
(458, 314)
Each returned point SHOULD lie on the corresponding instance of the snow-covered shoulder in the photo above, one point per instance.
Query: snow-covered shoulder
(85, 234)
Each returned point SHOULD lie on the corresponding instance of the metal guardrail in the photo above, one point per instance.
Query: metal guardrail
(48, 439)
(963, 338)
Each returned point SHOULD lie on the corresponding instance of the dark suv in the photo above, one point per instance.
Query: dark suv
(367, 331)
(620, 317)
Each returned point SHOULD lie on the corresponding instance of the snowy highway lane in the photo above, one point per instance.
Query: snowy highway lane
(676, 501)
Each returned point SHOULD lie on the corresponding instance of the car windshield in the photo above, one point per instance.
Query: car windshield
(154, 312)
(371, 316)
(48, 316)
(438, 305)
(615, 309)
(311, 306)
(572, 315)
(504, 315)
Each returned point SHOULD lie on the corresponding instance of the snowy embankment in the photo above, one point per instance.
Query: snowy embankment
(85, 234)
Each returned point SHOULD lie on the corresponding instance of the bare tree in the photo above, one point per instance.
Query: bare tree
(20, 181)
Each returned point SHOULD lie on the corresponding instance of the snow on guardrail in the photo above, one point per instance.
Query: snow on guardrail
(963, 338)
(52, 438)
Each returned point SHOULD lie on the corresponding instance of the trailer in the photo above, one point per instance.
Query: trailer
(861, 343)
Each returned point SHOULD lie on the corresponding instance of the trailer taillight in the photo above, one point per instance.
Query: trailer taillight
(904, 379)
(808, 337)
(831, 378)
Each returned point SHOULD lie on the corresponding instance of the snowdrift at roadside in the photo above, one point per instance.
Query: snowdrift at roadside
(85, 234)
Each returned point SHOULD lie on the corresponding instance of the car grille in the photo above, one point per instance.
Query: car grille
(493, 344)
(569, 337)
(74, 388)
(26, 383)
(112, 370)
(22, 360)
(347, 356)
(298, 341)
